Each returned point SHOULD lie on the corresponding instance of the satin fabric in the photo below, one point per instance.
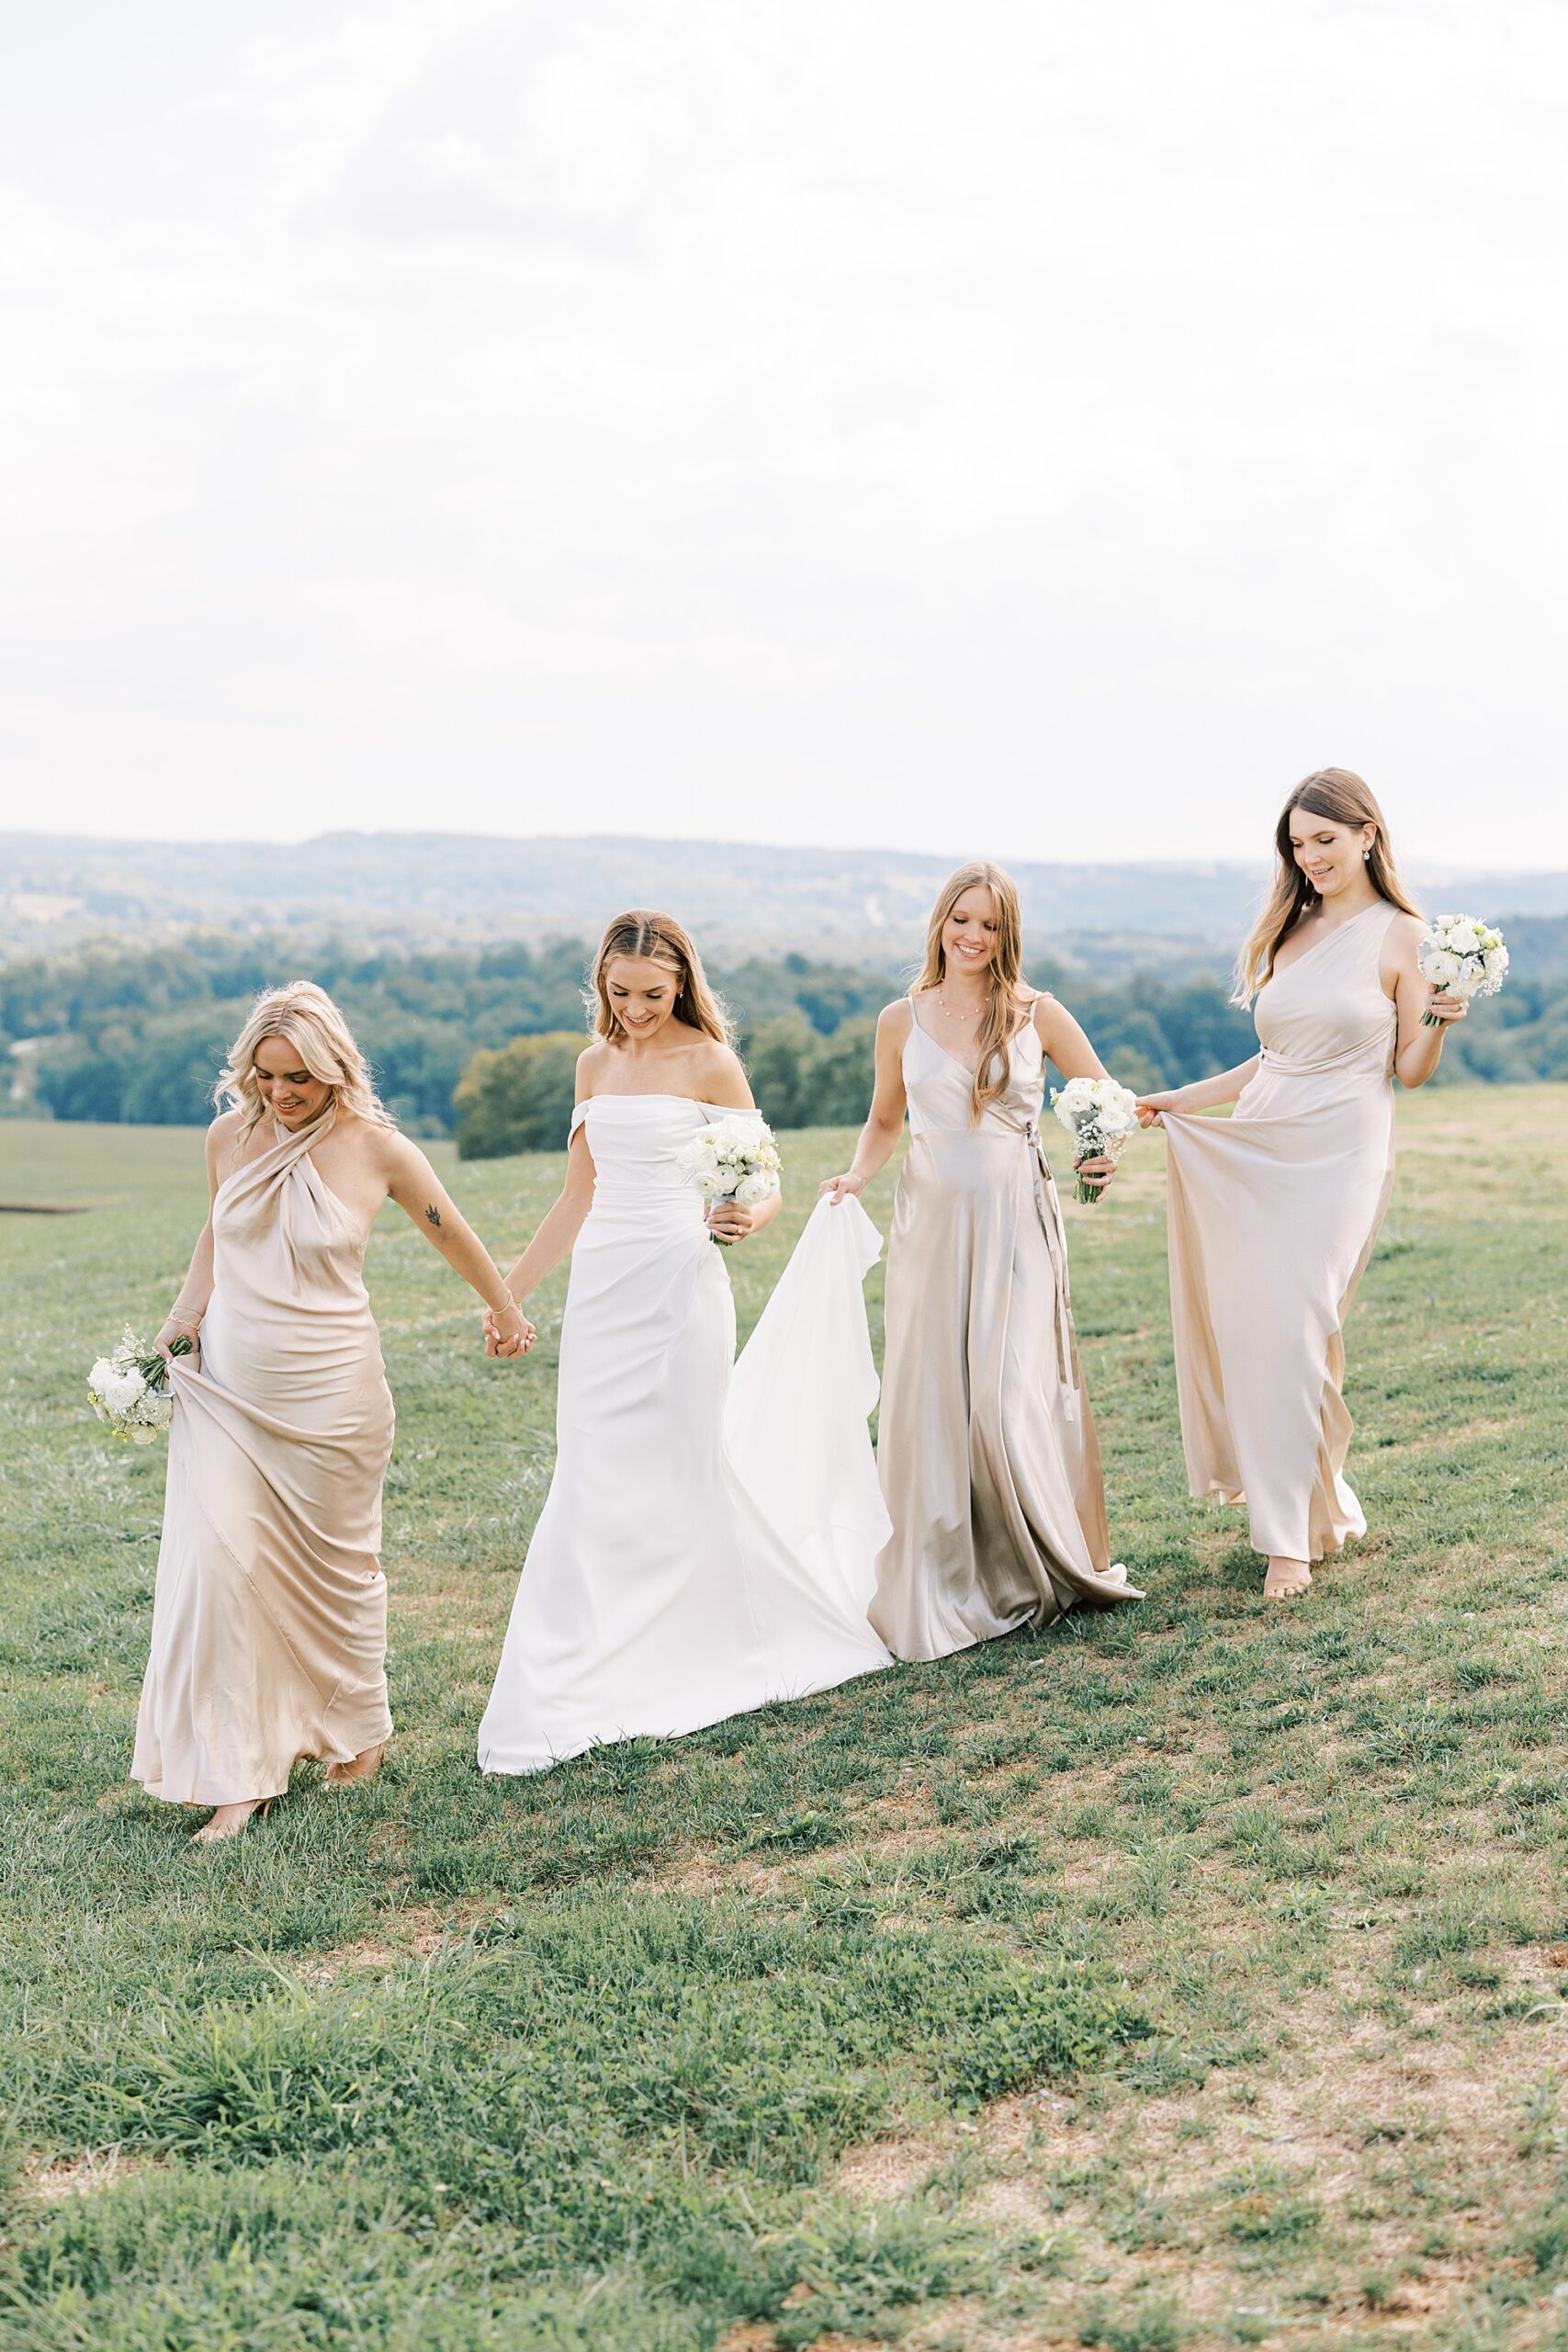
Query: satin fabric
(987, 1455)
(1272, 1214)
(269, 1613)
(661, 1592)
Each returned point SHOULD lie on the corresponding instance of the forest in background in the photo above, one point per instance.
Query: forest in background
(121, 1031)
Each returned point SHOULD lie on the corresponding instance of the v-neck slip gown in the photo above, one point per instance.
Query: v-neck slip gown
(709, 1539)
(1272, 1215)
(269, 1613)
(987, 1452)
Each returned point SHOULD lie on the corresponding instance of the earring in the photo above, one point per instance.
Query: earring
(1366, 858)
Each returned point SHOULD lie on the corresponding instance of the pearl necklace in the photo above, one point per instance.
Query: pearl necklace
(977, 1014)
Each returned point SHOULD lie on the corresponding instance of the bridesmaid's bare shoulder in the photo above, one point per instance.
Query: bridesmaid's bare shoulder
(222, 1141)
(894, 1019)
(1400, 941)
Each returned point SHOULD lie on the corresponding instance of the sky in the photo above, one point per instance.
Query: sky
(1020, 427)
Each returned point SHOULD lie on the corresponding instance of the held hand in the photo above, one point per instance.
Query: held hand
(1097, 1173)
(728, 1221)
(840, 1188)
(508, 1333)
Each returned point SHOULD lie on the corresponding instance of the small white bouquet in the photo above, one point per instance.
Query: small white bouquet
(129, 1390)
(1462, 956)
(1101, 1115)
(733, 1159)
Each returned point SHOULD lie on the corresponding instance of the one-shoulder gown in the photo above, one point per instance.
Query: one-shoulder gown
(1272, 1214)
(707, 1542)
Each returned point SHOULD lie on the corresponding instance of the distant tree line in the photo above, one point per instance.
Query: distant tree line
(484, 1043)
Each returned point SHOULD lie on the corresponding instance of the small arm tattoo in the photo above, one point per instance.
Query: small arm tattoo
(433, 1215)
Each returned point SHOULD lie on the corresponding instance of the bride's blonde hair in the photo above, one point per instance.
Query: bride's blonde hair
(659, 939)
(1345, 799)
(1010, 999)
(306, 1016)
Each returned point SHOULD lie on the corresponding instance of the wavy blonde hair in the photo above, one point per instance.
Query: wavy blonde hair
(643, 932)
(1345, 799)
(1011, 1000)
(305, 1015)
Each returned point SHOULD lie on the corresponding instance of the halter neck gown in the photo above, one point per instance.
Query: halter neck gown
(987, 1455)
(1272, 1214)
(269, 1614)
(707, 1541)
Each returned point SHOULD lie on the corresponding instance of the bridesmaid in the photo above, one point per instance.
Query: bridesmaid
(987, 1455)
(1273, 1212)
(269, 1617)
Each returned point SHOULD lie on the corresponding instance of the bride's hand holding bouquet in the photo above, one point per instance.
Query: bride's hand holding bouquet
(734, 1165)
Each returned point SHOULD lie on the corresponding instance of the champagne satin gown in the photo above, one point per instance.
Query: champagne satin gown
(707, 1542)
(987, 1455)
(1272, 1215)
(269, 1616)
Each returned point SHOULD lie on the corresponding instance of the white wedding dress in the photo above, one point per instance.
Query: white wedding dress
(709, 1538)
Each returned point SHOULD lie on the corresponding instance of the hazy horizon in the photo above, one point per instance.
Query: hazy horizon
(1258, 864)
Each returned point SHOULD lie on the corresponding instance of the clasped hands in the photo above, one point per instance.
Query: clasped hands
(508, 1333)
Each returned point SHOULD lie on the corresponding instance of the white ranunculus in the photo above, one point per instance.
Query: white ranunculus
(1440, 967)
(754, 1190)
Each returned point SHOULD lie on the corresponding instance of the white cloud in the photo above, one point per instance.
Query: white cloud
(1054, 427)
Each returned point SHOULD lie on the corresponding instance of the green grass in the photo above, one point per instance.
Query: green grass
(1194, 1975)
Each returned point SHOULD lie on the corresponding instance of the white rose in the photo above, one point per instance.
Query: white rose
(1462, 937)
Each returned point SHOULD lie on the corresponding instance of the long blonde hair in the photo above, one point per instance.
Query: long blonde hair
(305, 1015)
(660, 939)
(1345, 799)
(1010, 999)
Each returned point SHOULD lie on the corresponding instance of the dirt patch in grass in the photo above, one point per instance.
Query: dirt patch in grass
(419, 1931)
(1402, 2157)
(82, 2175)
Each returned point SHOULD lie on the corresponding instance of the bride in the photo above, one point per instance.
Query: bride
(683, 1569)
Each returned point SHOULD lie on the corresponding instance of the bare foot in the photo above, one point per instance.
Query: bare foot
(364, 1768)
(230, 1819)
(1286, 1579)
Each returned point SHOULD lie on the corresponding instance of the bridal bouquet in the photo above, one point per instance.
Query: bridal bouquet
(733, 1159)
(129, 1390)
(1101, 1115)
(1462, 956)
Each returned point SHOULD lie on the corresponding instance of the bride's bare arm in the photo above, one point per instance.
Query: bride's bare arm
(884, 1120)
(560, 1226)
(425, 1201)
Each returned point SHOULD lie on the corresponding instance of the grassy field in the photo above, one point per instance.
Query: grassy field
(1194, 1975)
